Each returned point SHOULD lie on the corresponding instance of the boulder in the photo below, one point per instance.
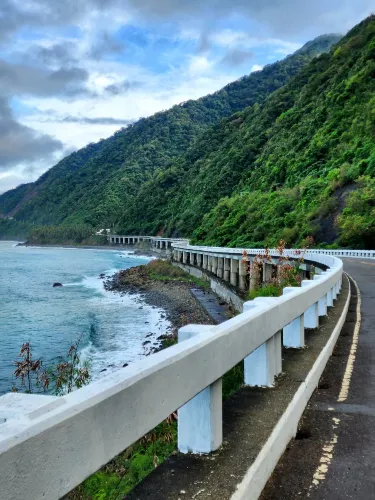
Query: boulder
(57, 284)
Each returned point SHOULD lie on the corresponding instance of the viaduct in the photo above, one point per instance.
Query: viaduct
(49, 445)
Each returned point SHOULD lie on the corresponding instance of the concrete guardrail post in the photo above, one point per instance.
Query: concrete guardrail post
(205, 261)
(214, 265)
(192, 258)
(334, 291)
(322, 303)
(220, 267)
(330, 298)
(200, 420)
(265, 363)
(233, 272)
(294, 333)
(226, 275)
(311, 316)
(267, 272)
(242, 271)
(209, 265)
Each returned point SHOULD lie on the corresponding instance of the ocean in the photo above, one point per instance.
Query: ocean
(113, 327)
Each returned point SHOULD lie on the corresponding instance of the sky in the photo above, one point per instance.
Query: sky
(75, 71)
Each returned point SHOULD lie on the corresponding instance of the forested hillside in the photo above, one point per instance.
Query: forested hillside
(97, 184)
(299, 164)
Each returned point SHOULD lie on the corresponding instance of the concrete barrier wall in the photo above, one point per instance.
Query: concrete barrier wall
(50, 445)
(216, 286)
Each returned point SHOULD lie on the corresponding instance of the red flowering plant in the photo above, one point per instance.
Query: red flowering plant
(286, 270)
(65, 376)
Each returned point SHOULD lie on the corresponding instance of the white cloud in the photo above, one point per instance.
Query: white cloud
(239, 39)
(187, 65)
(198, 65)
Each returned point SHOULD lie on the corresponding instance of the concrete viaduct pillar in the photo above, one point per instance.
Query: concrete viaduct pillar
(214, 265)
(234, 265)
(205, 261)
(242, 272)
(226, 275)
(220, 267)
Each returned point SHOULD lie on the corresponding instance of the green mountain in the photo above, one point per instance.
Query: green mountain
(299, 164)
(98, 184)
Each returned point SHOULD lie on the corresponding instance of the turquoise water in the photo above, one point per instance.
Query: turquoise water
(31, 310)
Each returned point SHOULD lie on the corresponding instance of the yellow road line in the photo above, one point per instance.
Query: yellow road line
(353, 350)
(329, 446)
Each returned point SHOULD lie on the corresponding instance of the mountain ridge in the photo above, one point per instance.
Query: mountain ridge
(94, 184)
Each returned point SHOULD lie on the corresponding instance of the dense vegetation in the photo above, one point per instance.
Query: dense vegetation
(97, 184)
(79, 234)
(301, 163)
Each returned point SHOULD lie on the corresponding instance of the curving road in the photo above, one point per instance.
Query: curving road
(334, 455)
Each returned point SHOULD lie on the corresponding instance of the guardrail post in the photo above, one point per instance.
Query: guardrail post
(205, 261)
(329, 298)
(226, 269)
(214, 265)
(199, 259)
(294, 333)
(322, 303)
(311, 316)
(233, 272)
(220, 267)
(209, 263)
(254, 275)
(265, 363)
(200, 421)
(334, 291)
(242, 271)
(267, 272)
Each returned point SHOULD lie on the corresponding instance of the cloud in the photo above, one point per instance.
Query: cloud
(19, 143)
(105, 45)
(21, 79)
(280, 18)
(122, 87)
(92, 121)
(236, 57)
(57, 54)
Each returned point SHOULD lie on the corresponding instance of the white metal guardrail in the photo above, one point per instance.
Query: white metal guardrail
(49, 445)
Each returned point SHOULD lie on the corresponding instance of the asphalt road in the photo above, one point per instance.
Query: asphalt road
(333, 456)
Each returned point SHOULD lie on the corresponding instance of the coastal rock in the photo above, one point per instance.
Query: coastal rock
(125, 365)
(102, 276)
(163, 337)
(57, 284)
(146, 342)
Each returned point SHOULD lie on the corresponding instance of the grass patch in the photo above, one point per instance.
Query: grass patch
(163, 270)
(266, 290)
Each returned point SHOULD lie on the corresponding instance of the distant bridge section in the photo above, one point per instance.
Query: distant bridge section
(156, 242)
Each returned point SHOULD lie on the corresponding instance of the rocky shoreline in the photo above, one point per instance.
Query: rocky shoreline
(173, 296)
